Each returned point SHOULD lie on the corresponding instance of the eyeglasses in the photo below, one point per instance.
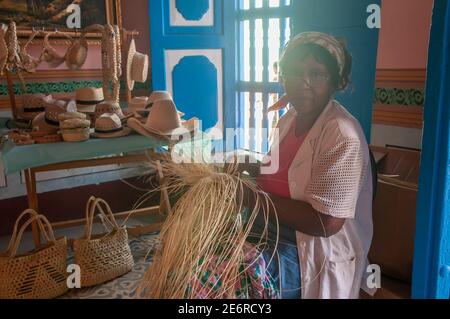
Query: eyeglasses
(313, 78)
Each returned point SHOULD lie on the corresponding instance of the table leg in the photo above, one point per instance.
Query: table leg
(165, 207)
(30, 181)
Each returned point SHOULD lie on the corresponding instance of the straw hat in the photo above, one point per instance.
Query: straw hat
(137, 66)
(109, 125)
(75, 129)
(108, 107)
(48, 120)
(33, 104)
(154, 97)
(163, 121)
(157, 96)
(137, 104)
(88, 98)
(71, 115)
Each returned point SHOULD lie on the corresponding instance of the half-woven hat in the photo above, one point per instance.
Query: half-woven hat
(88, 98)
(109, 125)
(33, 104)
(137, 66)
(163, 121)
(48, 120)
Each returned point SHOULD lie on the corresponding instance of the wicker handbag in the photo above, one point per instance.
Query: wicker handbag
(40, 274)
(103, 257)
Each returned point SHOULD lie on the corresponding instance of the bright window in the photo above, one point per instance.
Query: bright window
(264, 29)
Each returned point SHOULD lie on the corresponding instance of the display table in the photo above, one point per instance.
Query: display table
(95, 152)
(17, 158)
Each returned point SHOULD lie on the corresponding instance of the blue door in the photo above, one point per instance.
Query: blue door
(346, 20)
(431, 269)
(192, 54)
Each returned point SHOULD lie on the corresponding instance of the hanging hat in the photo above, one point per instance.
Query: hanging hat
(48, 120)
(137, 66)
(109, 125)
(77, 53)
(33, 104)
(88, 98)
(163, 121)
(3, 47)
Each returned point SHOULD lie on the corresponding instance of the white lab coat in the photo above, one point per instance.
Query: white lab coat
(333, 267)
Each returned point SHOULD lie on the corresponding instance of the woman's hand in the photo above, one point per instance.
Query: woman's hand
(246, 164)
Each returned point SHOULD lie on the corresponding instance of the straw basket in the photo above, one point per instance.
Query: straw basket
(104, 257)
(40, 274)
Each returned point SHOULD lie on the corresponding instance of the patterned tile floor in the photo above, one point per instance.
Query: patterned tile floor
(125, 286)
(120, 288)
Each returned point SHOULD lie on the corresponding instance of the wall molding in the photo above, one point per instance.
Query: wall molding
(56, 83)
(401, 78)
(62, 74)
(398, 115)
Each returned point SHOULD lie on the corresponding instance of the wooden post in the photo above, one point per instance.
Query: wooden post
(12, 96)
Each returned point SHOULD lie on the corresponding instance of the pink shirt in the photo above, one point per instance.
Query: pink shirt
(277, 183)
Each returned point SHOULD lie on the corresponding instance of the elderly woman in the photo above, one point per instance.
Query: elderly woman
(322, 190)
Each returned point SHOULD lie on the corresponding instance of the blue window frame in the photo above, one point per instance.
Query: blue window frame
(263, 30)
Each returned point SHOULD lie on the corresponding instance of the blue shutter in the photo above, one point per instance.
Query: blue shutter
(193, 57)
(348, 20)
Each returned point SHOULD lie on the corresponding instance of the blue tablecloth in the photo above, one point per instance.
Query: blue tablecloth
(16, 158)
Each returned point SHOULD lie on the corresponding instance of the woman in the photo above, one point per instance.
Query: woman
(322, 189)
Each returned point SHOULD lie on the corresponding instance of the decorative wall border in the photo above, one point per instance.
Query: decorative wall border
(399, 97)
(53, 82)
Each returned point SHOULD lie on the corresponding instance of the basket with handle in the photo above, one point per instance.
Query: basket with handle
(39, 274)
(102, 257)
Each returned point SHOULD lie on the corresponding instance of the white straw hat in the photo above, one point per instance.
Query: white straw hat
(109, 125)
(88, 98)
(163, 121)
(137, 66)
(154, 97)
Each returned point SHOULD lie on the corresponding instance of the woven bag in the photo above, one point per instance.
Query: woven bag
(39, 274)
(105, 257)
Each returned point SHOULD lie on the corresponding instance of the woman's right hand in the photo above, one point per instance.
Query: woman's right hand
(247, 164)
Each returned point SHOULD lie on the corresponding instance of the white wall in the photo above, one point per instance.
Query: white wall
(399, 136)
